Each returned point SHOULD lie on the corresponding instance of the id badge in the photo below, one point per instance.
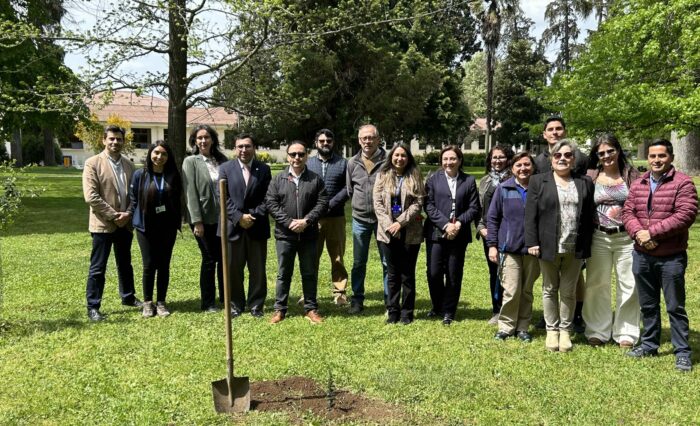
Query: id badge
(160, 209)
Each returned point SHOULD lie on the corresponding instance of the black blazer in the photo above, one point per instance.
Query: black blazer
(438, 205)
(542, 215)
(248, 199)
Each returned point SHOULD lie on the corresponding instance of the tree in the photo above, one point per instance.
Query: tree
(402, 75)
(91, 132)
(520, 75)
(638, 76)
(474, 84)
(37, 92)
(562, 17)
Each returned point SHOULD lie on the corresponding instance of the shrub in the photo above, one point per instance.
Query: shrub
(265, 157)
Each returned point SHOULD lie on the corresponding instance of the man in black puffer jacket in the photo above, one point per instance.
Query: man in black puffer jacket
(296, 199)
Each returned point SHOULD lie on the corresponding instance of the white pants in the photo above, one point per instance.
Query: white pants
(608, 251)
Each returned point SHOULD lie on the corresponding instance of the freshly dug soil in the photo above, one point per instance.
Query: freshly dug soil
(300, 396)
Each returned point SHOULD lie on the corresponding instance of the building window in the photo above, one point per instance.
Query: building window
(482, 141)
(165, 135)
(142, 138)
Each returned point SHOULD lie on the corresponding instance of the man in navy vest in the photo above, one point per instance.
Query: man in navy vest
(331, 166)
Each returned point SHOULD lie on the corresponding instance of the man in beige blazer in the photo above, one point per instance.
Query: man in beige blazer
(106, 179)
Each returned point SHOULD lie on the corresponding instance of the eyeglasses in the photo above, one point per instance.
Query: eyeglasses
(300, 154)
(607, 153)
(367, 138)
(243, 147)
(499, 158)
(568, 155)
(322, 141)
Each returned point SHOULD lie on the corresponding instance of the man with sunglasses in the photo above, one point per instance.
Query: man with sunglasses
(296, 199)
(332, 167)
(661, 207)
(247, 180)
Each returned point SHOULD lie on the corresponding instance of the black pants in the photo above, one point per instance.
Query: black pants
(211, 268)
(494, 282)
(156, 252)
(445, 272)
(252, 252)
(287, 250)
(401, 276)
(101, 247)
(653, 275)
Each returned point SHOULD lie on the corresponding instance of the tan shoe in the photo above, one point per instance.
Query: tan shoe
(314, 317)
(552, 341)
(340, 299)
(162, 310)
(565, 344)
(626, 344)
(278, 316)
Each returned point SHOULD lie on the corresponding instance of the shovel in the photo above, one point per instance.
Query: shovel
(232, 394)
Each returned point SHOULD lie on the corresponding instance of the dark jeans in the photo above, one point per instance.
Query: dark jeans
(401, 276)
(101, 247)
(287, 250)
(211, 268)
(494, 282)
(252, 252)
(156, 252)
(653, 274)
(445, 271)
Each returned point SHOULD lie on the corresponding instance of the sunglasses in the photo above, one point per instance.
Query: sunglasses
(607, 153)
(568, 155)
(300, 154)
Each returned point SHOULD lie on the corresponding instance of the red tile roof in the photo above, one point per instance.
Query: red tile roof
(153, 110)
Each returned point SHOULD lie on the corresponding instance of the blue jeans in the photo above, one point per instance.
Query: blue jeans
(653, 275)
(361, 237)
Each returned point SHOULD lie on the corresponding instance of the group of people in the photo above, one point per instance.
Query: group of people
(554, 215)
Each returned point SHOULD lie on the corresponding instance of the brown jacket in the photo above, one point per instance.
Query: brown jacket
(101, 193)
(410, 219)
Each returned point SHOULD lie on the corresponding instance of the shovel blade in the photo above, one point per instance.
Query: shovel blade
(241, 395)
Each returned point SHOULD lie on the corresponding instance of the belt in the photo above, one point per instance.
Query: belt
(613, 230)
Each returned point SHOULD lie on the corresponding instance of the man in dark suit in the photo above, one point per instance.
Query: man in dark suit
(248, 226)
(106, 180)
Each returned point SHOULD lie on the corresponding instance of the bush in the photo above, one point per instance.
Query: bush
(265, 157)
(33, 149)
(474, 160)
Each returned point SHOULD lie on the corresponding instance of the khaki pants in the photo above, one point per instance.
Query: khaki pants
(559, 279)
(518, 274)
(332, 233)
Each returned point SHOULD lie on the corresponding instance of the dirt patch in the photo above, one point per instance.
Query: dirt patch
(300, 396)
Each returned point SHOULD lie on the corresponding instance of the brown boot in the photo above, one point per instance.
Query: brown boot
(552, 342)
(278, 316)
(314, 317)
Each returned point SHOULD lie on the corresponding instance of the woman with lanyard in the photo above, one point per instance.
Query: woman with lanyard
(497, 171)
(200, 176)
(155, 207)
(452, 203)
(398, 198)
(506, 241)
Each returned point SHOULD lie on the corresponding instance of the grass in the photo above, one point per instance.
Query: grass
(58, 369)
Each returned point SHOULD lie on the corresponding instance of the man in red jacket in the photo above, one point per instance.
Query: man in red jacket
(660, 208)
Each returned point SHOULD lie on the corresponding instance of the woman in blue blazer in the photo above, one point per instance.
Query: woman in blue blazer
(452, 203)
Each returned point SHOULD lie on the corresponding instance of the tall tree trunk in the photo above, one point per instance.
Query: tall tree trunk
(177, 80)
(686, 152)
(565, 40)
(489, 96)
(49, 151)
(16, 148)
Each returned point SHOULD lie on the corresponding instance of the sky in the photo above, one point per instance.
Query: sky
(83, 17)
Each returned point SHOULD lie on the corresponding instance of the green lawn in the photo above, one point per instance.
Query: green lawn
(56, 368)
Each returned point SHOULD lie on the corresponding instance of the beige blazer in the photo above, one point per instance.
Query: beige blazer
(101, 193)
(410, 218)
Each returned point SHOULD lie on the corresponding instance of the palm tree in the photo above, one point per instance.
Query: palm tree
(562, 18)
